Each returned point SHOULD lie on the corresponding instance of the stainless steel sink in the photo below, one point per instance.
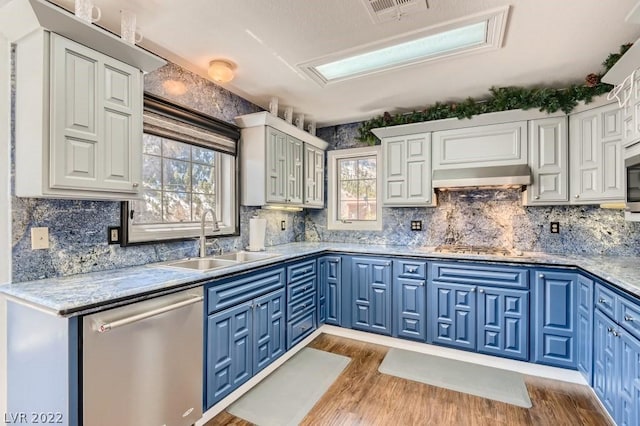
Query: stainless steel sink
(202, 264)
(247, 256)
(222, 261)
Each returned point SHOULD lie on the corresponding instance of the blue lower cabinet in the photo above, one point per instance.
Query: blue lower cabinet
(409, 302)
(229, 346)
(503, 322)
(330, 290)
(269, 329)
(605, 368)
(555, 327)
(629, 406)
(584, 352)
(371, 294)
(241, 341)
(452, 314)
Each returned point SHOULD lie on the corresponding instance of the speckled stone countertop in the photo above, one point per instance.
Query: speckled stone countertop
(85, 293)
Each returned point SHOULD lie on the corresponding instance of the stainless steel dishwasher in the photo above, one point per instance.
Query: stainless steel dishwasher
(142, 363)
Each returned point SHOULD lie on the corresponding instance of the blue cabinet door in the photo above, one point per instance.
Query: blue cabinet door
(584, 352)
(409, 302)
(555, 329)
(605, 368)
(330, 285)
(629, 408)
(371, 294)
(229, 335)
(269, 329)
(503, 322)
(452, 314)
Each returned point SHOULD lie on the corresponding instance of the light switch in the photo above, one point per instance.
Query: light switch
(39, 238)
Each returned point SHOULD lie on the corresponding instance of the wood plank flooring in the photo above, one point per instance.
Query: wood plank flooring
(363, 396)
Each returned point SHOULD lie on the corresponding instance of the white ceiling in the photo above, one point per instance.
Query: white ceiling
(547, 42)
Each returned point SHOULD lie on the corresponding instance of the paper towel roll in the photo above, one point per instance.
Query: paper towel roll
(257, 231)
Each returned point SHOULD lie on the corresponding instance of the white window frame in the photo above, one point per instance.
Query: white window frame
(333, 157)
(226, 211)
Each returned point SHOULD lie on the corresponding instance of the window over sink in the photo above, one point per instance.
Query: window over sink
(189, 166)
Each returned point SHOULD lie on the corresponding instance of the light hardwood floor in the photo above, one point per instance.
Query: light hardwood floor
(363, 396)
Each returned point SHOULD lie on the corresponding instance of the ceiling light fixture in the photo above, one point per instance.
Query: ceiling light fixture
(221, 71)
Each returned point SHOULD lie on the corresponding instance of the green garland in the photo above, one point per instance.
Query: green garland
(501, 99)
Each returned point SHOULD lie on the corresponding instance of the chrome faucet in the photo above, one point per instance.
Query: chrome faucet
(203, 239)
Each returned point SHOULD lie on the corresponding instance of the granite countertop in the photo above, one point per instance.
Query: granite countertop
(85, 293)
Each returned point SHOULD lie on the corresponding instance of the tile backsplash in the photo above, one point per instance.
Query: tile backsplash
(78, 229)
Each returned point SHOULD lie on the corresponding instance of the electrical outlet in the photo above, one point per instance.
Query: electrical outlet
(39, 238)
(283, 225)
(416, 225)
(113, 235)
(555, 227)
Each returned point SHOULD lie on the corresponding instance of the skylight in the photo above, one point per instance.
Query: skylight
(463, 36)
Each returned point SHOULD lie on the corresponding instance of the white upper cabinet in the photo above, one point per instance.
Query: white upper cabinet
(88, 144)
(96, 136)
(490, 145)
(548, 159)
(595, 141)
(78, 105)
(407, 171)
(314, 176)
(281, 165)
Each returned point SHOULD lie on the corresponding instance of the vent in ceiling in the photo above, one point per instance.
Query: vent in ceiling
(393, 10)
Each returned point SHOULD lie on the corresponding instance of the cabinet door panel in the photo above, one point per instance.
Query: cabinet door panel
(453, 315)
(629, 380)
(277, 176)
(314, 176)
(556, 315)
(371, 288)
(549, 160)
(410, 307)
(269, 329)
(228, 351)
(330, 268)
(503, 322)
(407, 170)
(294, 174)
(605, 353)
(584, 352)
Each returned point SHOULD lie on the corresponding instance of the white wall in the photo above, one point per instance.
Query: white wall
(5, 208)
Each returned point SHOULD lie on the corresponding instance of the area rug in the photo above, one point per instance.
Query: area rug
(486, 382)
(288, 394)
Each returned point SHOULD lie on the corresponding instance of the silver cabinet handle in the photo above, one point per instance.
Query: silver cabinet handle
(537, 197)
(610, 329)
(481, 290)
(102, 328)
(577, 196)
(135, 184)
(412, 270)
(615, 333)
(387, 264)
(473, 290)
(421, 283)
(602, 301)
(628, 318)
(541, 275)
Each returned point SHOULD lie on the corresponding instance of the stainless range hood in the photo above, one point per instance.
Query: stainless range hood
(514, 176)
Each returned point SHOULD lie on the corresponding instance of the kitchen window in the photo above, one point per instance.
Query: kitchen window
(187, 169)
(354, 189)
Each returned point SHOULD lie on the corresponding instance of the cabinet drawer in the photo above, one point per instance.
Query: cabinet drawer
(296, 309)
(606, 300)
(411, 269)
(301, 289)
(501, 276)
(235, 291)
(629, 316)
(301, 270)
(300, 328)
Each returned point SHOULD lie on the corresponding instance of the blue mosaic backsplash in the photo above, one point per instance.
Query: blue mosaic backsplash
(78, 229)
(486, 218)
